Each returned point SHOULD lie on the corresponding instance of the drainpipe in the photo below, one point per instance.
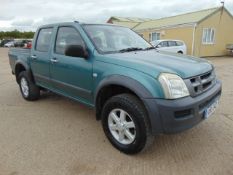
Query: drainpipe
(193, 43)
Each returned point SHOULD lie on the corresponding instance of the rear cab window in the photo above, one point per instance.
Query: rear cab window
(44, 39)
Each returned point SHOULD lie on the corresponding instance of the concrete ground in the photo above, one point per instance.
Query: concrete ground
(57, 136)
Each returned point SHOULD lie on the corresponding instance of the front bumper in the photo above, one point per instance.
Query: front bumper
(171, 116)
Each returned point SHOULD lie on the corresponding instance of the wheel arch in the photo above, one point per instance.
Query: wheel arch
(180, 52)
(115, 85)
(21, 66)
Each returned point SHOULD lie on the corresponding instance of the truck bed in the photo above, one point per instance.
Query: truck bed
(15, 54)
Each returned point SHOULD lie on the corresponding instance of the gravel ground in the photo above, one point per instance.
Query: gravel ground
(57, 136)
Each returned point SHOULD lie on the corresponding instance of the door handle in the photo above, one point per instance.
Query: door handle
(54, 60)
(34, 57)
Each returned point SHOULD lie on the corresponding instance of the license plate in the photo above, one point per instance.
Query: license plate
(210, 110)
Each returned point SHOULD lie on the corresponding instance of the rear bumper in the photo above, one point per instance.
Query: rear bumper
(172, 116)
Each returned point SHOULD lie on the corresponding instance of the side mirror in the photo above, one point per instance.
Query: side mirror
(76, 51)
(158, 46)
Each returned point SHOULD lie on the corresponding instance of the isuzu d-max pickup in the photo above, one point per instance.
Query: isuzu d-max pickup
(136, 90)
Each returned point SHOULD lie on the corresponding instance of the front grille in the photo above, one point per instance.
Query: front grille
(201, 83)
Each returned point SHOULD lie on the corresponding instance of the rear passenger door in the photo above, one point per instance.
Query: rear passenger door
(40, 57)
(173, 47)
(71, 76)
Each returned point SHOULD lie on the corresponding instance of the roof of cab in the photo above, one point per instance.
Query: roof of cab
(75, 22)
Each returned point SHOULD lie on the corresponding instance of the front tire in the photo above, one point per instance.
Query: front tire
(28, 89)
(125, 123)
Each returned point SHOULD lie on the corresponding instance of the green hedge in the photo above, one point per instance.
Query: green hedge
(16, 34)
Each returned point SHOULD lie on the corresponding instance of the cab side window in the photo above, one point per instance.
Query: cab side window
(67, 36)
(44, 39)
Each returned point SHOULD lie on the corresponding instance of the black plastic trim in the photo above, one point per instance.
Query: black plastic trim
(62, 84)
(163, 111)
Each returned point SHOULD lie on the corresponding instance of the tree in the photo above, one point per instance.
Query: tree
(16, 34)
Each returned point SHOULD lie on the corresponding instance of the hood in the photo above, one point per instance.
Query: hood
(154, 62)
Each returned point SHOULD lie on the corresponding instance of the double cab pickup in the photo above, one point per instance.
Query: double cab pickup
(137, 91)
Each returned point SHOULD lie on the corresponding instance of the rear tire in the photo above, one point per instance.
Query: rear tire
(125, 124)
(28, 89)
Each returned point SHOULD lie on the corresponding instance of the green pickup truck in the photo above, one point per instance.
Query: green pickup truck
(137, 91)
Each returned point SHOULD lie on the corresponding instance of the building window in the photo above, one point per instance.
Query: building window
(208, 36)
(154, 36)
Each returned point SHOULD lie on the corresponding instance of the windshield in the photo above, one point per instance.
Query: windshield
(110, 39)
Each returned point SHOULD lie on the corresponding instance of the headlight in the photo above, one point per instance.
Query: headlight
(173, 86)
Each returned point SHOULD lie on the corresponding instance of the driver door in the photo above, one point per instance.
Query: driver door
(71, 76)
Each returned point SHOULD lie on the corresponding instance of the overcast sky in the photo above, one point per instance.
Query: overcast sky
(29, 14)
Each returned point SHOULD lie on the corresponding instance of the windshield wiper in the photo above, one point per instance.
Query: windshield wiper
(130, 49)
(149, 48)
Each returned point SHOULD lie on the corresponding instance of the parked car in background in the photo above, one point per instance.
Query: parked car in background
(5, 41)
(18, 43)
(229, 48)
(174, 46)
(28, 45)
(9, 44)
(21, 43)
